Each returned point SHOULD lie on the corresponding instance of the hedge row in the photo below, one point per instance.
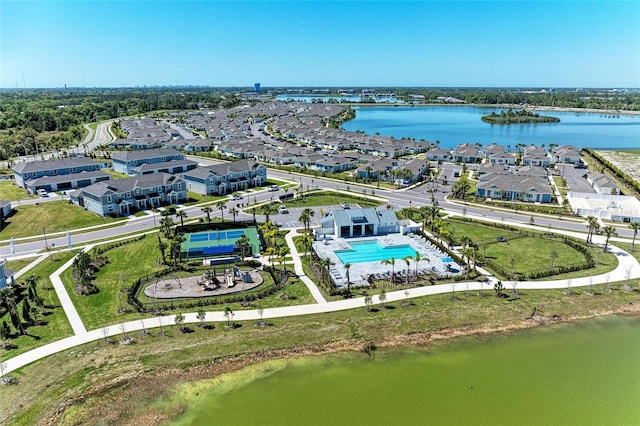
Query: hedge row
(615, 170)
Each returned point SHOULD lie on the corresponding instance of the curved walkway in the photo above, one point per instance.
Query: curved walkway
(628, 268)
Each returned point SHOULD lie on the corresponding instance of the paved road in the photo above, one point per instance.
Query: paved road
(628, 268)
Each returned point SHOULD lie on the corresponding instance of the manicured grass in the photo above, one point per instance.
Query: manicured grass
(114, 174)
(153, 367)
(131, 261)
(55, 216)
(193, 198)
(16, 265)
(329, 199)
(126, 264)
(532, 253)
(12, 192)
(54, 324)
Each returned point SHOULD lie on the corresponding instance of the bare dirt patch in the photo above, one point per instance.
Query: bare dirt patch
(195, 286)
(627, 161)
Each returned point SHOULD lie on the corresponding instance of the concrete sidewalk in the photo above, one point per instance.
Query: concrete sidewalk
(628, 268)
(297, 267)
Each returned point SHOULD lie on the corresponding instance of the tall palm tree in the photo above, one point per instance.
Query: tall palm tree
(181, 215)
(347, 267)
(391, 262)
(635, 226)
(609, 231)
(207, 211)
(417, 258)
(243, 245)
(592, 226)
(265, 209)
(467, 253)
(307, 240)
(407, 260)
(222, 204)
(284, 250)
(234, 212)
(305, 218)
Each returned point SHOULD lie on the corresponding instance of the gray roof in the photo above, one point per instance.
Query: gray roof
(359, 216)
(144, 154)
(223, 169)
(62, 163)
(48, 180)
(518, 183)
(164, 164)
(130, 184)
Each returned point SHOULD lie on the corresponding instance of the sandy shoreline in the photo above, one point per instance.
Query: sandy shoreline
(170, 379)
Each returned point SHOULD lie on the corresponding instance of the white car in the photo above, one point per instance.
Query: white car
(273, 188)
(237, 197)
(345, 205)
(283, 209)
(42, 193)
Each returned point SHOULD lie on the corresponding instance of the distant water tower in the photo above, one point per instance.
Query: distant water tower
(256, 87)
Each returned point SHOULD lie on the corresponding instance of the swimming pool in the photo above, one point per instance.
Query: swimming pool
(372, 251)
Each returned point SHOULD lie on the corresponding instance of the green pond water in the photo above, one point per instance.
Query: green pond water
(586, 373)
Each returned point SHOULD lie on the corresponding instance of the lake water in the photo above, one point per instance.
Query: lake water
(453, 125)
(585, 373)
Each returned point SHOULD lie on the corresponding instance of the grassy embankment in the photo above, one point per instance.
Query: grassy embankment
(54, 216)
(53, 324)
(129, 262)
(12, 192)
(123, 381)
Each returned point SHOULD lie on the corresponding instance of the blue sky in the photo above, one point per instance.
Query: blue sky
(320, 43)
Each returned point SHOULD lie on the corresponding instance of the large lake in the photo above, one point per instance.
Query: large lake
(453, 125)
(585, 373)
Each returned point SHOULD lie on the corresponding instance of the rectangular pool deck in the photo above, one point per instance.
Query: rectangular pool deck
(438, 262)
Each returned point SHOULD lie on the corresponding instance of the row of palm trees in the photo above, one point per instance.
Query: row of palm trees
(593, 226)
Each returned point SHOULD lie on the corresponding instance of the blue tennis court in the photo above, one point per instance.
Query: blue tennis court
(218, 243)
(216, 236)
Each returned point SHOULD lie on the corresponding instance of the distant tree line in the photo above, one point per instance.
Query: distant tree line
(35, 120)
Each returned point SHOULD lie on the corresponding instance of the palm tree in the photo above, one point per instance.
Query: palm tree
(181, 214)
(222, 204)
(207, 211)
(592, 226)
(407, 260)
(265, 209)
(609, 231)
(347, 267)
(284, 250)
(243, 245)
(635, 226)
(234, 212)
(417, 258)
(305, 218)
(391, 262)
(162, 246)
(166, 222)
(467, 252)
(175, 248)
(307, 240)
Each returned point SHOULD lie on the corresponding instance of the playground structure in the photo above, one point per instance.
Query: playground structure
(213, 282)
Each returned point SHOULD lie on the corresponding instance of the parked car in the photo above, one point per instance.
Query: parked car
(237, 197)
(282, 209)
(345, 205)
(274, 188)
(42, 193)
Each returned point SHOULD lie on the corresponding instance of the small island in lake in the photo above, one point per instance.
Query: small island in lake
(518, 117)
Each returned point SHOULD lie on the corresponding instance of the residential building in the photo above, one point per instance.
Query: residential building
(603, 184)
(58, 175)
(126, 161)
(126, 196)
(359, 223)
(219, 179)
(514, 187)
(467, 153)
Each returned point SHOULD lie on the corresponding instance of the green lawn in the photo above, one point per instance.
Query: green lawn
(12, 192)
(114, 174)
(126, 264)
(54, 216)
(131, 261)
(326, 198)
(193, 198)
(16, 265)
(54, 325)
(531, 253)
(162, 364)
